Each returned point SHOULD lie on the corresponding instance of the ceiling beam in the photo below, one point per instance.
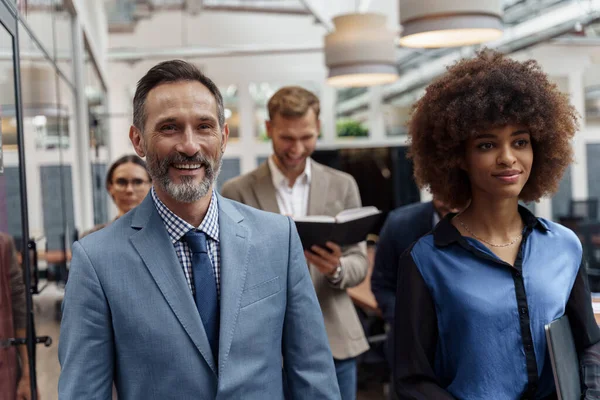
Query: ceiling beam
(255, 9)
(321, 11)
(194, 7)
(135, 55)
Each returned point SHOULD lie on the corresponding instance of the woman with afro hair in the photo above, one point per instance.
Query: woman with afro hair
(474, 295)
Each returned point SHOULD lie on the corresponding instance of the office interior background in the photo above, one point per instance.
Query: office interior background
(69, 70)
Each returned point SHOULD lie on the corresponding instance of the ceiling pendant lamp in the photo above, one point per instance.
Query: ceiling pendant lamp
(445, 23)
(361, 51)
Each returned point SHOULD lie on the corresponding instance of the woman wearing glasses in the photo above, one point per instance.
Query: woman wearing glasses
(127, 182)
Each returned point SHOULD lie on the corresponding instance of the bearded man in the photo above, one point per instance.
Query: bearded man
(188, 296)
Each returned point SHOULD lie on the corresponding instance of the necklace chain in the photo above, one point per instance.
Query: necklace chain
(515, 239)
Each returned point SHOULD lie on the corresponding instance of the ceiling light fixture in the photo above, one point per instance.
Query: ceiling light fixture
(361, 51)
(444, 23)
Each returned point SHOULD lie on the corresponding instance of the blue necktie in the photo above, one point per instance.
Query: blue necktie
(205, 284)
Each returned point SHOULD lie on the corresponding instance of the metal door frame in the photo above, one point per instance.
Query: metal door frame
(9, 20)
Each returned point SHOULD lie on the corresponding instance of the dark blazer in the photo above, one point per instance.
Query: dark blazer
(403, 227)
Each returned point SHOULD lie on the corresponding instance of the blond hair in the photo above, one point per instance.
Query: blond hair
(293, 102)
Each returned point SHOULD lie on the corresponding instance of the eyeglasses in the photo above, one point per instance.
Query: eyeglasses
(136, 184)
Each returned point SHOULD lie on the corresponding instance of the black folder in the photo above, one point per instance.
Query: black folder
(563, 356)
(346, 232)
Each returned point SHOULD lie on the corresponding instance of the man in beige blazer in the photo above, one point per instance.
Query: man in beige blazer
(291, 183)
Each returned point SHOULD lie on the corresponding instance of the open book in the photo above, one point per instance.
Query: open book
(348, 227)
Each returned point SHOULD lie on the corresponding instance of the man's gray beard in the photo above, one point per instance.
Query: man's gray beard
(188, 191)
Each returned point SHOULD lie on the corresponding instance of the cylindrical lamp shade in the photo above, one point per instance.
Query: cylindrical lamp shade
(443, 23)
(361, 51)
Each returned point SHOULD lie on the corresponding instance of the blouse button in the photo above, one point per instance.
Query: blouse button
(523, 310)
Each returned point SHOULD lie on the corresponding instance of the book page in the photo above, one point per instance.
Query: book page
(315, 218)
(356, 213)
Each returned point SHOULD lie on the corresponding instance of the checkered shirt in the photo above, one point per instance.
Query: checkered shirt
(177, 228)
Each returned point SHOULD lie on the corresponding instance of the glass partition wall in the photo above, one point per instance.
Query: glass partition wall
(38, 180)
(17, 331)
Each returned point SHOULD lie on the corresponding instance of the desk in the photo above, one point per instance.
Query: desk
(361, 295)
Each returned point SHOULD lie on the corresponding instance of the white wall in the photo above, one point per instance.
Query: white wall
(219, 29)
(569, 64)
(91, 20)
(211, 30)
(94, 23)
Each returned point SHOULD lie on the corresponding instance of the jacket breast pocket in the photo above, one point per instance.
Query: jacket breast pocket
(260, 291)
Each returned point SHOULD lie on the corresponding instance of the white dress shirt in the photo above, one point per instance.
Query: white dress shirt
(292, 201)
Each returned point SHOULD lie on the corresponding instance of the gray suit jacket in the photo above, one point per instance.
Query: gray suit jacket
(129, 315)
(331, 191)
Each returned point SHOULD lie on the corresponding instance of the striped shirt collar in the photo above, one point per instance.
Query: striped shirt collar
(177, 227)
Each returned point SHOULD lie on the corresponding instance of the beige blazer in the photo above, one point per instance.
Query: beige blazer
(331, 191)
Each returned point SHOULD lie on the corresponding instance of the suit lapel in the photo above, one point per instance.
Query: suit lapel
(319, 184)
(264, 190)
(153, 244)
(233, 242)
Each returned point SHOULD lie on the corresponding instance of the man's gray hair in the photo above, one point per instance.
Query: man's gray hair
(171, 71)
